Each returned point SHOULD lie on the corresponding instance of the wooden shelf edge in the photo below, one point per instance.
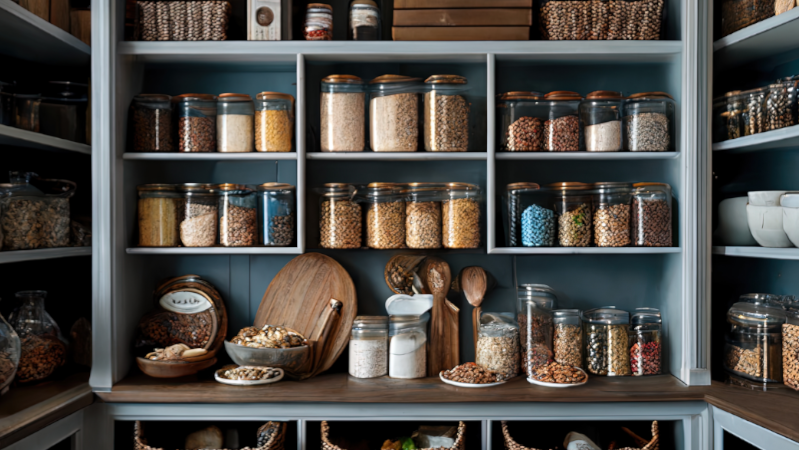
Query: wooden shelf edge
(43, 253)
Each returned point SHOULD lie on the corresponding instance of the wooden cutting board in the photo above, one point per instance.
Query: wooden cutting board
(494, 17)
(299, 294)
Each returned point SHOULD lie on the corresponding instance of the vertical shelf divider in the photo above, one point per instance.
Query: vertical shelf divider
(300, 139)
(490, 152)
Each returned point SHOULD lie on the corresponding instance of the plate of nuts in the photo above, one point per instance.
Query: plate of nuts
(248, 375)
(470, 375)
(558, 376)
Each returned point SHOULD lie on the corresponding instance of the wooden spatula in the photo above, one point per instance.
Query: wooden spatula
(443, 339)
(474, 282)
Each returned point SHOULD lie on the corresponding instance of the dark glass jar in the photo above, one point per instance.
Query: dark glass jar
(151, 117)
(197, 122)
(276, 214)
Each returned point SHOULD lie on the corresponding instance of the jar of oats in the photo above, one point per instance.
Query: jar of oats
(341, 111)
(498, 344)
(424, 214)
(612, 214)
(573, 203)
(568, 337)
(605, 340)
(446, 114)
(159, 210)
(394, 113)
(274, 122)
(198, 215)
(753, 347)
(237, 215)
(386, 215)
(461, 216)
(234, 123)
(339, 217)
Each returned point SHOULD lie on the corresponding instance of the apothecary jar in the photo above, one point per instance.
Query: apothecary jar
(535, 304)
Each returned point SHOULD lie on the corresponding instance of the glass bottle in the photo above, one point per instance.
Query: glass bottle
(612, 214)
(42, 350)
(9, 354)
(602, 122)
(237, 215)
(151, 117)
(646, 342)
(341, 111)
(535, 305)
(365, 21)
(274, 122)
(235, 123)
(276, 214)
(369, 347)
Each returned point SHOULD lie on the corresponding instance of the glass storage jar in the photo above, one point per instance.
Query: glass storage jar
(318, 25)
(645, 341)
(369, 347)
(498, 344)
(738, 14)
(780, 105)
(612, 214)
(652, 215)
(342, 118)
(407, 346)
(446, 114)
(62, 112)
(32, 219)
(42, 349)
(573, 204)
(519, 121)
(151, 117)
(160, 207)
(562, 131)
(605, 334)
(753, 118)
(6, 103)
(197, 122)
(649, 121)
(461, 216)
(763, 299)
(719, 119)
(235, 123)
(9, 354)
(790, 345)
(365, 21)
(568, 337)
(339, 217)
(601, 118)
(424, 214)
(535, 304)
(276, 214)
(274, 122)
(735, 103)
(386, 215)
(237, 215)
(394, 113)
(530, 218)
(198, 217)
(753, 346)
(26, 111)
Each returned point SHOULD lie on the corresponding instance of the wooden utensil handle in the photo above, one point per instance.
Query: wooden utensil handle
(476, 324)
(323, 330)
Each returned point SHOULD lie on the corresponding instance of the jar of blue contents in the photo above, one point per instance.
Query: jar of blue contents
(530, 223)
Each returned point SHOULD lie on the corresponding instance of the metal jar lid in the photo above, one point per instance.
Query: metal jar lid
(653, 95)
(642, 316)
(569, 186)
(232, 189)
(604, 187)
(606, 315)
(359, 4)
(270, 187)
(371, 322)
(562, 95)
(156, 187)
(523, 187)
(446, 79)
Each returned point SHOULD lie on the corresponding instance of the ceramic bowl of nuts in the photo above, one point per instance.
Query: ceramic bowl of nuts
(248, 375)
(558, 376)
(270, 346)
(470, 375)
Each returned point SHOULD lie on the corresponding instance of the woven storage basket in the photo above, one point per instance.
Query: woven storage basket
(511, 444)
(644, 444)
(182, 21)
(274, 442)
(457, 445)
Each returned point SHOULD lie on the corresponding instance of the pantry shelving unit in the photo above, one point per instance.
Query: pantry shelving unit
(791, 254)
(16, 137)
(770, 140)
(28, 37)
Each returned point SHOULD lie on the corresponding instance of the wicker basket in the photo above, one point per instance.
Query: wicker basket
(182, 21)
(457, 445)
(511, 444)
(273, 442)
(644, 444)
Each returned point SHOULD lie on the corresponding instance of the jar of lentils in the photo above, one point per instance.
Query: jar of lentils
(339, 217)
(237, 215)
(652, 215)
(605, 334)
(645, 341)
(790, 343)
(568, 337)
(461, 216)
(151, 115)
(274, 114)
(530, 218)
(369, 347)
(159, 210)
(234, 123)
(276, 214)
(424, 214)
(197, 122)
(561, 130)
(520, 121)
(573, 202)
(446, 114)
(342, 118)
(649, 122)
(535, 304)
(601, 118)
(386, 215)
(612, 214)
(394, 113)
(199, 215)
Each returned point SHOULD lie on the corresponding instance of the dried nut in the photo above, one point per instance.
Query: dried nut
(194, 352)
(471, 373)
(559, 373)
(269, 337)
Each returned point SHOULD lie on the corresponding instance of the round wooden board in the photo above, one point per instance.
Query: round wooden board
(299, 294)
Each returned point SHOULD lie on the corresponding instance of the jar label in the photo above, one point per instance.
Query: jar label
(185, 302)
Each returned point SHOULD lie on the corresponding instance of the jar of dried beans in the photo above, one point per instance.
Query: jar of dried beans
(498, 344)
(649, 122)
(339, 217)
(612, 214)
(753, 118)
(9, 354)
(461, 216)
(733, 119)
(601, 118)
(197, 122)
(274, 122)
(394, 113)
(198, 215)
(31, 219)
(276, 214)
(318, 25)
(151, 115)
(568, 337)
(342, 118)
(605, 341)
(237, 215)
(369, 347)
(424, 214)
(520, 121)
(235, 123)
(790, 344)
(446, 114)
(561, 129)
(386, 215)
(42, 348)
(780, 105)
(535, 304)
(530, 218)
(645, 341)
(652, 215)
(573, 202)
(159, 210)
(753, 347)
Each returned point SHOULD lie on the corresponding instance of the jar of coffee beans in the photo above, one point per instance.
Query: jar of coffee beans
(753, 347)
(790, 342)
(561, 129)
(529, 216)
(649, 122)
(235, 123)
(780, 105)
(652, 215)
(386, 215)
(197, 122)
(601, 119)
(461, 216)
(753, 118)
(446, 114)
(274, 122)
(276, 214)
(520, 121)
(605, 341)
(573, 202)
(612, 214)
(424, 214)
(237, 215)
(394, 113)
(645, 342)
(568, 337)
(151, 115)
(198, 215)
(535, 304)
(339, 217)
(159, 211)
(341, 109)
(735, 103)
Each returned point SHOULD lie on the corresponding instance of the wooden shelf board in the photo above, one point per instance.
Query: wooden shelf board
(589, 156)
(767, 38)
(398, 156)
(759, 252)
(584, 250)
(212, 156)
(781, 138)
(215, 251)
(43, 253)
(776, 410)
(18, 137)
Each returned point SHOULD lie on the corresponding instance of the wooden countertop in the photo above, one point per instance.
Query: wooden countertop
(775, 410)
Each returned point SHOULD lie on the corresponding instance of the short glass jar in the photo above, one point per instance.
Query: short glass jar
(274, 117)
(318, 25)
(369, 347)
(568, 337)
(339, 217)
(573, 205)
(780, 105)
(753, 347)
(159, 215)
(601, 118)
(753, 118)
(535, 305)
(151, 116)
(562, 131)
(646, 342)
(520, 119)
(612, 214)
(365, 21)
(649, 122)
(461, 216)
(790, 343)
(235, 123)
(605, 334)
(386, 215)
(342, 119)
(446, 114)
(26, 111)
(498, 344)
(735, 104)
(276, 214)
(652, 215)
(424, 214)
(197, 122)
(407, 346)
(237, 215)
(394, 113)
(198, 227)
(530, 218)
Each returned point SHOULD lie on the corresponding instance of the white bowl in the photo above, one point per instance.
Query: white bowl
(733, 228)
(765, 198)
(791, 200)
(766, 225)
(790, 224)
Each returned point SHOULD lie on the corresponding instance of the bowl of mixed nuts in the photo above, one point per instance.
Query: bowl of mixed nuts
(248, 375)
(471, 375)
(271, 346)
(558, 375)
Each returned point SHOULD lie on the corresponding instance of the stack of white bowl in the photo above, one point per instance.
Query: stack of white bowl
(765, 218)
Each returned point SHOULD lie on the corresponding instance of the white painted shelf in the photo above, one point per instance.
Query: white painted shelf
(29, 37)
(215, 251)
(584, 250)
(599, 156)
(43, 253)
(763, 39)
(759, 252)
(781, 138)
(398, 156)
(211, 156)
(23, 138)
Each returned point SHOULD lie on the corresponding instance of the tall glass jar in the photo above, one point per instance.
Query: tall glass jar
(235, 123)
(779, 105)
(605, 334)
(386, 215)
(365, 21)
(26, 111)
(42, 350)
(753, 118)
(394, 113)
(407, 346)
(199, 215)
(498, 344)
(612, 214)
(520, 119)
(568, 337)
(424, 215)
(753, 346)
(735, 104)
(573, 202)
(237, 215)
(530, 218)
(276, 214)
(197, 122)
(790, 344)
(151, 115)
(652, 215)
(649, 121)
(535, 304)
(719, 119)
(274, 122)
(342, 118)
(646, 342)
(318, 25)
(601, 118)
(339, 217)
(562, 131)
(461, 216)
(9, 354)
(446, 114)
(369, 347)
(160, 207)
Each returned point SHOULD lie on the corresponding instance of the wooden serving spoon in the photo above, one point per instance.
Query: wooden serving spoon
(474, 282)
(443, 349)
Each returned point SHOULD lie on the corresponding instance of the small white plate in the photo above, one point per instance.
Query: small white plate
(559, 385)
(247, 382)
(468, 385)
